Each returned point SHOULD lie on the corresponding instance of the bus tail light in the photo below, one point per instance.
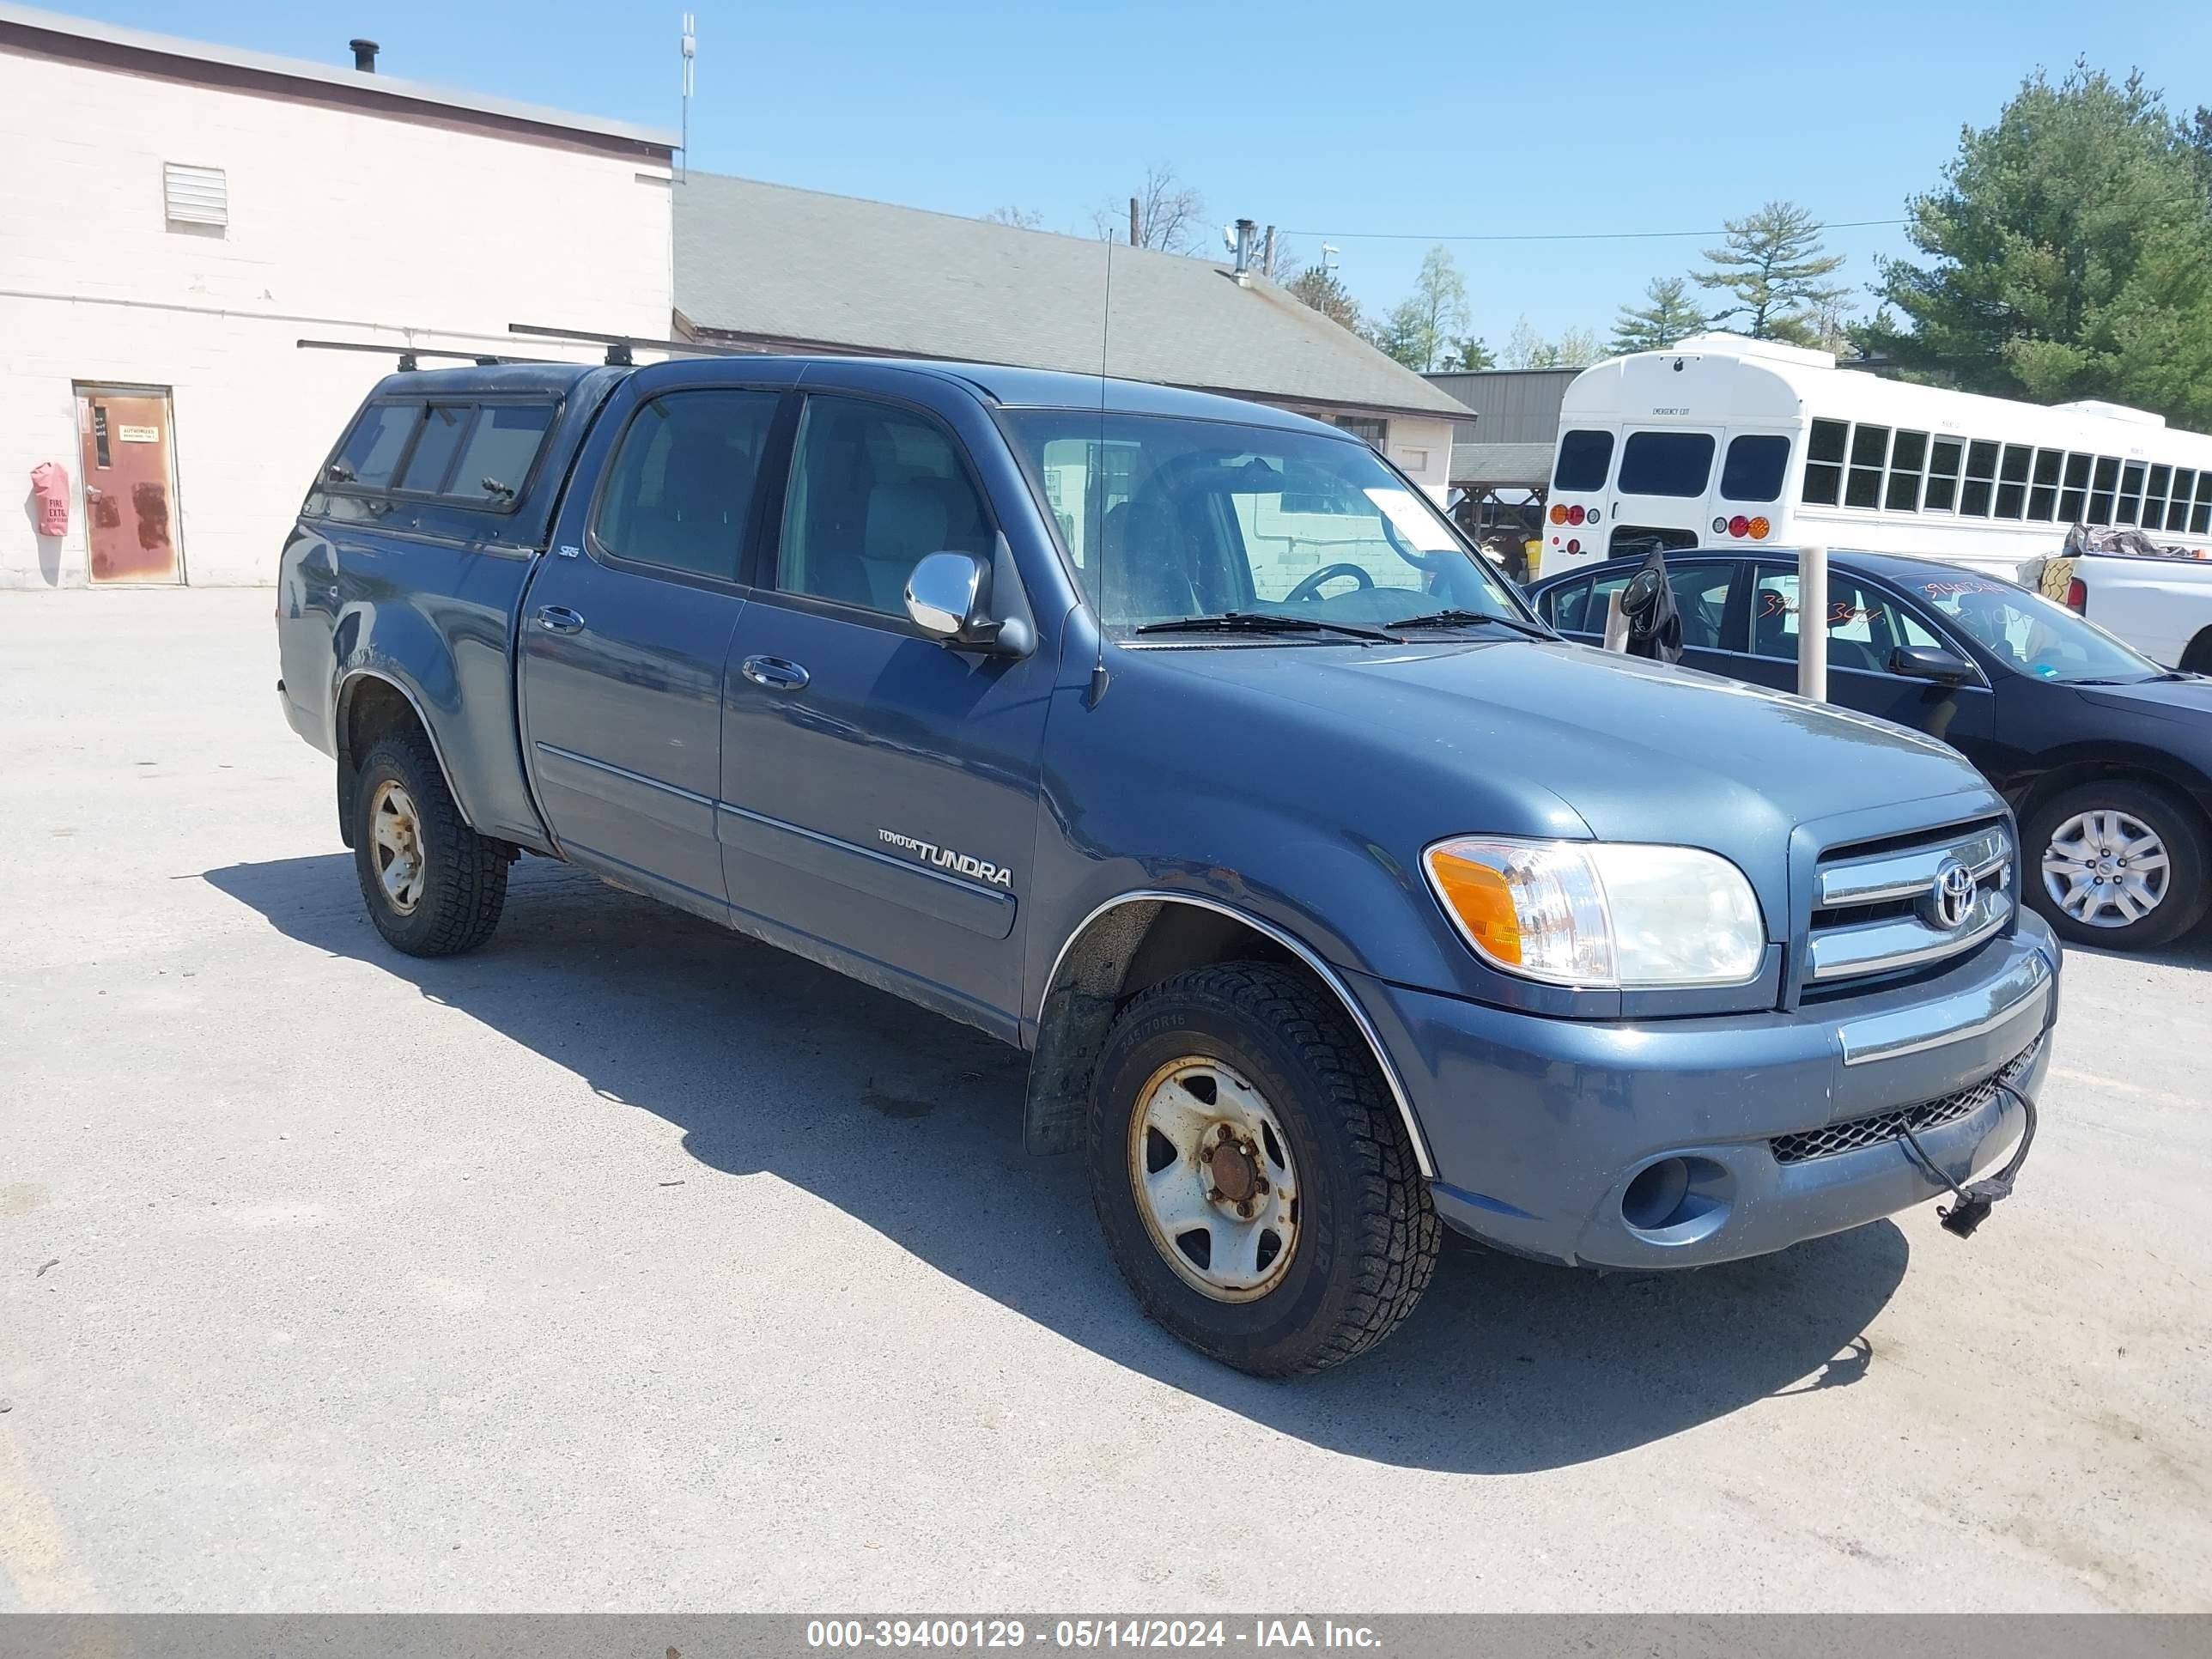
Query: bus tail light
(1558, 511)
(2077, 597)
(1573, 546)
(1575, 515)
(1739, 525)
(1760, 528)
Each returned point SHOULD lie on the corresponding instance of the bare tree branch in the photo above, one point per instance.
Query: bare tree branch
(1170, 215)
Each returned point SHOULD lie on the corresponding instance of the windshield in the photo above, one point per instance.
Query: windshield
(1168, 518)
(2031, 634)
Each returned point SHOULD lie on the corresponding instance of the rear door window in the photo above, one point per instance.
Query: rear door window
(1585, 456)
(681, 485)
(372, 448)
(1666, 463)
(1863, 624)
(1753, 470)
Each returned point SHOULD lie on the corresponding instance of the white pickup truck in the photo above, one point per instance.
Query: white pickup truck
(2161, 603)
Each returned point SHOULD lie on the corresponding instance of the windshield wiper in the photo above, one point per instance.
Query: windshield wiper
(1467, 618)
(1259, 622)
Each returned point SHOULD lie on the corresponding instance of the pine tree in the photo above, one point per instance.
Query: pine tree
(1772, 264)
(1670, 316)
(2069, 255)
(1326, 293)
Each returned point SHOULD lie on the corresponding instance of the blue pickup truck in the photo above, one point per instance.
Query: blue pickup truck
(1183, 743)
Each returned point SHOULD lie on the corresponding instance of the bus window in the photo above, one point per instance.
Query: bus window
(2042, 500)
(1908, 454)
(1981, 479)
(1869, 450)
(1666, 463)
(1824, 463)
(2177, 514)
(2131, 483)
(2200, 522)
(1945, 457)
(2155, 487)
(2012, 492)
(1584, 459)
(2108, 478)
(2075, 502)
(1753, 470)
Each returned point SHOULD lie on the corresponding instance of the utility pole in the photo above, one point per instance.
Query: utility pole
(1267, 256)
(691, 47)
(1133, 240)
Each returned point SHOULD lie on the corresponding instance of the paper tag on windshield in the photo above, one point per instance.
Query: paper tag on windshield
(1413, 521)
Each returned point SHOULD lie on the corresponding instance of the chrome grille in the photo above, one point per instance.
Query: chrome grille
(1878, 910)
(1862, 1132)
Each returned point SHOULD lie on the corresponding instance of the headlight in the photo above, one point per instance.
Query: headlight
(1601, 915)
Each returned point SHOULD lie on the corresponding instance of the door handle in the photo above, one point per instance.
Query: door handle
(559, 619)
(776, 673)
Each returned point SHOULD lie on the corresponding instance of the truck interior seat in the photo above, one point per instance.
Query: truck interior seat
(1141, 570)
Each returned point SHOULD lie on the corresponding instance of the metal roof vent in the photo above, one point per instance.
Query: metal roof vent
(194, 196)
(364, 55)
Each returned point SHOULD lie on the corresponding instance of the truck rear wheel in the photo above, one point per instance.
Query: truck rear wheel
(2117, 864)
(1253, 1181)
(434, 886)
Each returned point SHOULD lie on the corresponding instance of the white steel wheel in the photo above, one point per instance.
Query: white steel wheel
(1212, 1172)
(2106, 868)
(395, 829)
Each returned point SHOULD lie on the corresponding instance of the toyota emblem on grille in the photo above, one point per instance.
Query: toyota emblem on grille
(1951, 897)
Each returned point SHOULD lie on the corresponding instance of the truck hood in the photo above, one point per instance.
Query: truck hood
(1635, 751)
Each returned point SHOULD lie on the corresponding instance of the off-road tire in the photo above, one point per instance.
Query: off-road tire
(2177, 823)
(465, 885)
(1368, 1235)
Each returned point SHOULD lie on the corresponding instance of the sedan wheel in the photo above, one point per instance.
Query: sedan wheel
(2122, 864)
(2106, 869)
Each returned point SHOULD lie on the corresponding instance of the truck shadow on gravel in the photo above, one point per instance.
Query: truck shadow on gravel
(911, 1125)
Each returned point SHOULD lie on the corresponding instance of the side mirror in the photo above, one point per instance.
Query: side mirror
(949, 598)
(1930, 662)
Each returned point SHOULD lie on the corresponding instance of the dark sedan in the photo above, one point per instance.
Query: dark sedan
(2105, 756)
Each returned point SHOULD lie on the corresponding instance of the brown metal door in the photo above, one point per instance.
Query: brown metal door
(129, 506)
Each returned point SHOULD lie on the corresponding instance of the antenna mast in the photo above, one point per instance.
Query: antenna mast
(690, 53)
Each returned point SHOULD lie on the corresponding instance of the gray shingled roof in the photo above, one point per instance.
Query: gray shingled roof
(1527, 467)
(803, 268)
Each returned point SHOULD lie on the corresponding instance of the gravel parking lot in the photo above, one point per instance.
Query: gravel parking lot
(631, 1265)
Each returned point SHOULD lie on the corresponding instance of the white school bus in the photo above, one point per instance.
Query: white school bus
(1726, 440)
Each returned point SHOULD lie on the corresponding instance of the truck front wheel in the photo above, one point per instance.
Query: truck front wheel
(434, 886)
(1254, 1183)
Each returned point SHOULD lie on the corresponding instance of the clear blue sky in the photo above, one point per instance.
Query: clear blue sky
(1329, 118)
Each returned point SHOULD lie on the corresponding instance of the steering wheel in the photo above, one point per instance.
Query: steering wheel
(1310, 585)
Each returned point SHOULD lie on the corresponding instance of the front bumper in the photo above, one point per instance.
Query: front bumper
(1652, 1144)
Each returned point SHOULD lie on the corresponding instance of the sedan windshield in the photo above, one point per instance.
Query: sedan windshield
(1171, 520)
(2030, 633)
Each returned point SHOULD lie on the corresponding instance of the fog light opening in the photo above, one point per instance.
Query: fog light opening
(1656, 1193)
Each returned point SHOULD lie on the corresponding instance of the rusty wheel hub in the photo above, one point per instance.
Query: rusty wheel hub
(1210, 1167)
(1235, 1169)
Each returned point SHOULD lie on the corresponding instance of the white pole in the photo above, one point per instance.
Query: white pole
(1812, 623)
